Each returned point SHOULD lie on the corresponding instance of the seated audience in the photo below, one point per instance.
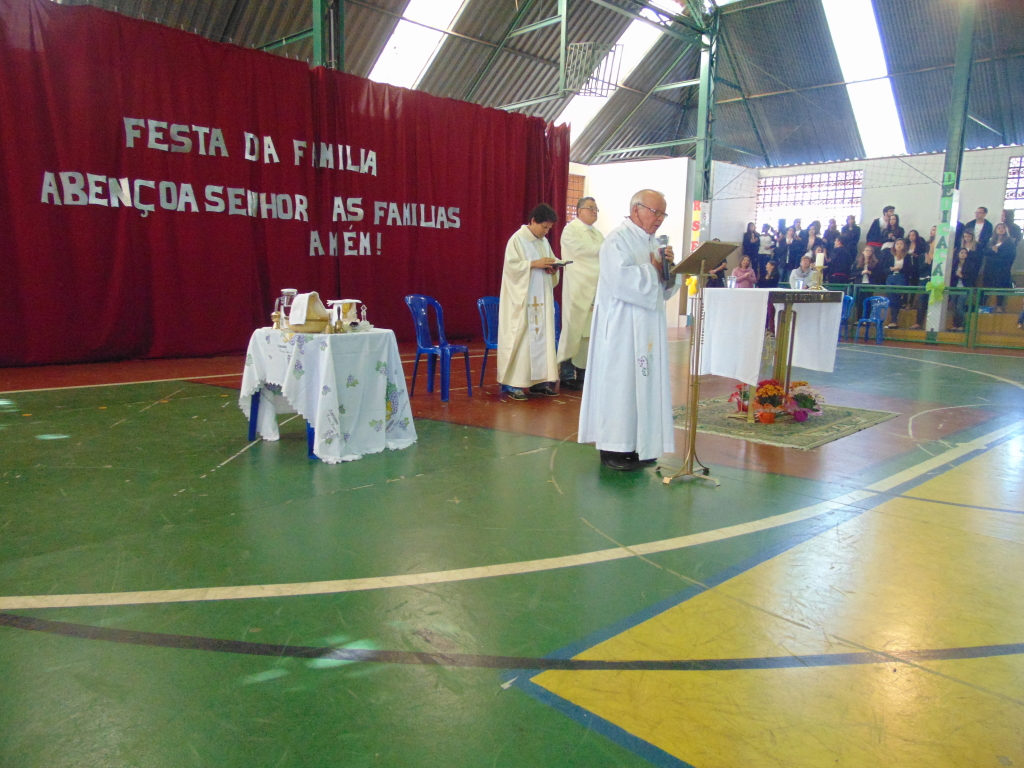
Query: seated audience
(850, 234)
(831, 231)
(980, 227)
(875, 230)
(901, 267)
(965, 275)
(997, 264)
(867, 270)
(770, 277)
(840, 263)
(916, 244)
(813, 239)
(716, 277)
(745, 274)
(892, 232)
(1007, 218)
(789, 251)
(803, 271)
(751, 242)
(767, 249)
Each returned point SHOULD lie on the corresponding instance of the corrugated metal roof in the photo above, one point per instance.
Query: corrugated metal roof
(777, 55)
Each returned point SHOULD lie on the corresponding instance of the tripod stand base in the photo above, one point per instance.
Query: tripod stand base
(685, 476)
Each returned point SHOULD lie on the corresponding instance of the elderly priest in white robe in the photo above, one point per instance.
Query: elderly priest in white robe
(627, 397)
(581, 243)
(526, 313)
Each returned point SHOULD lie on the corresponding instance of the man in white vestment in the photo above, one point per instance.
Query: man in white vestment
(627, 397)
(581, 243)
(526, 312)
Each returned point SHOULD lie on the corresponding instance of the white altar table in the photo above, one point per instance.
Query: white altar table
(734, 324)
(350, 388)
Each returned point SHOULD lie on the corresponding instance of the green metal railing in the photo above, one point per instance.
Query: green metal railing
(974, 304)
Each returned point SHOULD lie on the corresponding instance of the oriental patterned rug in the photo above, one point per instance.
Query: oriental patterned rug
(835, 422)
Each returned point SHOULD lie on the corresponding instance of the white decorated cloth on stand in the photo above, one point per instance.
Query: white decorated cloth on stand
(350, 387)
(734, 321)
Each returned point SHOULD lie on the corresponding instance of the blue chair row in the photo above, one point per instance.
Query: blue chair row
(419, 306)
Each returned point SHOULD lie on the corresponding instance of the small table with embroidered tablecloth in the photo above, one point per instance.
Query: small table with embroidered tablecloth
(350, 388)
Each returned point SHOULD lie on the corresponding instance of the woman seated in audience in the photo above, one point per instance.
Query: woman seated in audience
(789, 250)
(767, 249)
(901, 268)
(751, 242)
(803, 271)
(745, 274)
(840, 263)
(965, 275)
(770, 277)
(831, 231)
(892, 232)
(999, 255)
(850, 234)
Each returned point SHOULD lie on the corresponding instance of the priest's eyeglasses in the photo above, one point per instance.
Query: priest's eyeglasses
(660, 214)
(593, 208)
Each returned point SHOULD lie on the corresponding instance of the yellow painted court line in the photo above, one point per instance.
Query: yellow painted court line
(201, 594)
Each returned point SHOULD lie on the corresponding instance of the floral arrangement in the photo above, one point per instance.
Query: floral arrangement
(740, 396)
(803, 400)
(770, 395)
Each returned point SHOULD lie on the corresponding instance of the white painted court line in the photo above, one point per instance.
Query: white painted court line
(120, 383)
(248, 592)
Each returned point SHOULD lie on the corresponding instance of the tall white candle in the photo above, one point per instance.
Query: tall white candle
(819, 259)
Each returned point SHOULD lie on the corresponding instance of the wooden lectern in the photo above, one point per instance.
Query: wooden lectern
(705, 258)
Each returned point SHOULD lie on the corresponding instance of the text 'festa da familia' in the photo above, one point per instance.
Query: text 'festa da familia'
(72, 188)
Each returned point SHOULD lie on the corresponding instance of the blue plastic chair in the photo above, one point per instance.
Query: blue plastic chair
(876, 308)
(488, 308)
(419, 306)
(844, 322)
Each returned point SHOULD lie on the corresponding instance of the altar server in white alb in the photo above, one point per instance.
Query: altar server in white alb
(581, 243)
(627, 397)
(526, 314)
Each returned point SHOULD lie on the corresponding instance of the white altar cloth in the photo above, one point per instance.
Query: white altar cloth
(349, 386)
(734, 320)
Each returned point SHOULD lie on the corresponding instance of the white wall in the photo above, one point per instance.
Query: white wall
(912, 184)
(613, 184)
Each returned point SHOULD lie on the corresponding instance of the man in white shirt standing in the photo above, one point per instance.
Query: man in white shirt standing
(627, 396)
(581, 243)
(526, 313)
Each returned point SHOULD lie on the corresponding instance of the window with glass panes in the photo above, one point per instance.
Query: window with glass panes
(1015, 189)
(810, 197)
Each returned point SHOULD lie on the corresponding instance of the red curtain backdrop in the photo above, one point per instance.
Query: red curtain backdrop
(138, 219)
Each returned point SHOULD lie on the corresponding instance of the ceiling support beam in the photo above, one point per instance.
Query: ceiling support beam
(949, 206)
(705, 117)
(304, 35)
(329, 34)
(688, 36)
(673, 86)
(647, 147)
(657, 86)
(535, 26)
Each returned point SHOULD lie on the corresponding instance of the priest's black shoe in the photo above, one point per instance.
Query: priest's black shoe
(635, 458)
(618, 461)
(572, 384)
(543, 389)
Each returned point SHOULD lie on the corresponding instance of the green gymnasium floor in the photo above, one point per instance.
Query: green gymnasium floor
(172, 596)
